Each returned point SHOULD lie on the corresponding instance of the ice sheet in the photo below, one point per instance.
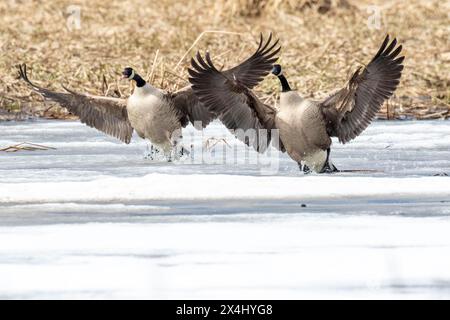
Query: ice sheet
(94, 219)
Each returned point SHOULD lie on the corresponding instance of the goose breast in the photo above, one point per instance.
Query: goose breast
(302, 130)
(153, 117)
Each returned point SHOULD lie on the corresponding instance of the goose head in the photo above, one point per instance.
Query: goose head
(129, 74)
(278, 71)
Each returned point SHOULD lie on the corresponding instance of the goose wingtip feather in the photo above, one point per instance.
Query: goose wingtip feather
(367, 90)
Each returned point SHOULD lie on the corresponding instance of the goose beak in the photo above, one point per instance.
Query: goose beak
(124, 78)
(128, 74)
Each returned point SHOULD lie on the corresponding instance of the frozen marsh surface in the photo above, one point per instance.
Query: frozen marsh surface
(94, 219)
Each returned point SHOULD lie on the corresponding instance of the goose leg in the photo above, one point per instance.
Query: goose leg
(174, 152)
(149, 152)
(328, 166)
(178, 151)
(152, 152)
(184, 151)
(304, 168)
(192, 152)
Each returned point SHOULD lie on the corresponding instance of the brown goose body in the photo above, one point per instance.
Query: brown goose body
(302, 130)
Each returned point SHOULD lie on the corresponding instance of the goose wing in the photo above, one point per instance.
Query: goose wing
(234, 103)
(253, 70)
(106, 114)
(350, 110)
(192, 109)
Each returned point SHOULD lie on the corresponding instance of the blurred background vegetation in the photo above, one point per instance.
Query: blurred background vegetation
(323, 41)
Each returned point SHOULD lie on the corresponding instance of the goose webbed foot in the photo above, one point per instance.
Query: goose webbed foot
(441, 174)
(328, 167)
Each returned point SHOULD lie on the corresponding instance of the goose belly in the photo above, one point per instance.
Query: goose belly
(303, 133)
(154, 119)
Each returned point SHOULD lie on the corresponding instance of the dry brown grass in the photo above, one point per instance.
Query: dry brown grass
(321, 45)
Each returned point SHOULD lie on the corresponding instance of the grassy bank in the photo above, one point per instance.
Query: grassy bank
(321, 43)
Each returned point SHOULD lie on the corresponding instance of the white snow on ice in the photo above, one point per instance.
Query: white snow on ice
(94, 219)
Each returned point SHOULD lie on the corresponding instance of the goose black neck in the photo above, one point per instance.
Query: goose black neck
(139, 81)
(284, 83)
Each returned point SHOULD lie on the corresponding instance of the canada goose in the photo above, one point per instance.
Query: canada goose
(305, 126)
(155, 115)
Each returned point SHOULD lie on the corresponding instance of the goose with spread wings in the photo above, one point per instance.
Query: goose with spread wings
(305, 126)
(154, 114)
